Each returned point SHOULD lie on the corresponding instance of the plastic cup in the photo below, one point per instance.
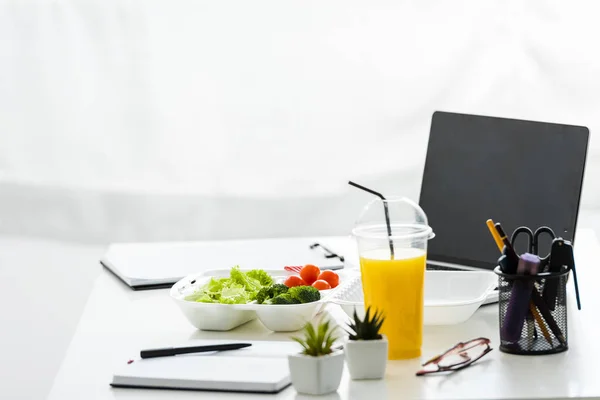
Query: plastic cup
(393, 270)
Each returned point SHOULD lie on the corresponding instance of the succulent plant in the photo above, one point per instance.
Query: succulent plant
(368, 328)
(317, 340)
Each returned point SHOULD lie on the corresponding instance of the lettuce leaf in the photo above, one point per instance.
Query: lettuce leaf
(234, 295)
(239, 288)
(200, 297)
(261, 276)
(251, 285)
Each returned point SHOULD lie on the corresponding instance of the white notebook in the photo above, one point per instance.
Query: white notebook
(262, 367)
(152, 265)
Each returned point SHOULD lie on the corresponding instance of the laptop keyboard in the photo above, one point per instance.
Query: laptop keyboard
(432, 267)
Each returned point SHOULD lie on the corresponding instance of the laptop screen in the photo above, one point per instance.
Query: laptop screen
(514, 172)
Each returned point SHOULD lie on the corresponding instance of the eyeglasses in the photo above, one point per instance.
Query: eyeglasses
(460, 356)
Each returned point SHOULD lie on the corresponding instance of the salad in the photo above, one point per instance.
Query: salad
(258, 286)
(240, 288)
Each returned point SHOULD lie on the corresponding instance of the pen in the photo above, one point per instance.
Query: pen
(494, 232)
(504, 238)
(173, 351)
(538, 319)
(543, 308)
(511, 255)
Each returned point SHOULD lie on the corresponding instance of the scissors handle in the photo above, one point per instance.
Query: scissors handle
(528, 233)
(536, 237)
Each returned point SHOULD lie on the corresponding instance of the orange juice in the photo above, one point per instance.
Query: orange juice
(396, 287)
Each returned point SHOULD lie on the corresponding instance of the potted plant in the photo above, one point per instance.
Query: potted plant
(318, 368)
(366, 349)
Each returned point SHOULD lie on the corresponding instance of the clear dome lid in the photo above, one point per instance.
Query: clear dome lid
(398, 218)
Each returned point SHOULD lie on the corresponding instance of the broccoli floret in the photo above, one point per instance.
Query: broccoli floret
(284, 299)
(304, 294)
(263, 295)
(277, 289)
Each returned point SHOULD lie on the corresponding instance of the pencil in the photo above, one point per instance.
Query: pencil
(538, 319)
(494, 232)
(547, 315)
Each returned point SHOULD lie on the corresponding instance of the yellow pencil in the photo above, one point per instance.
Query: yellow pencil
(495, 235)
(538, 319)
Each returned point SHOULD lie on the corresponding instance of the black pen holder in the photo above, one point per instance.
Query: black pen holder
(533, 312)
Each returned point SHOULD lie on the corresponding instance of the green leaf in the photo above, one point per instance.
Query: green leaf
(369, 327)
(239, 288)
(234, 295)
(318, 340)
(261, 276)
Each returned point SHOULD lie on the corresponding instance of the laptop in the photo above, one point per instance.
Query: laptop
(513, 171)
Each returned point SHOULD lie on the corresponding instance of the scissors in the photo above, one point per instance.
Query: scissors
(533, 240)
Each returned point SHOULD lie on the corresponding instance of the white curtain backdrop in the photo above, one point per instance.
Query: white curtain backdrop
(199, 119)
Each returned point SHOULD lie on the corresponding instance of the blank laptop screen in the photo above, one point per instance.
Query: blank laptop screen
(512, 171)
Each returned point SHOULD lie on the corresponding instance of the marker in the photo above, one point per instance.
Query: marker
(494, 232)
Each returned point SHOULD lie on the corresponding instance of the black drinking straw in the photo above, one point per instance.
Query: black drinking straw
(385, 209)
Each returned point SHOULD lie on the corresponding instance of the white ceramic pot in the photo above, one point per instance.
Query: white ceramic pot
(367, 358)
(316, 375)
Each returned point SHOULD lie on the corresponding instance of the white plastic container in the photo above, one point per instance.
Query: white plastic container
(224, 317)
(287, 318)
(208, 316)
(451, 297)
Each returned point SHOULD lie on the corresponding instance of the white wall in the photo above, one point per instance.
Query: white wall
(155, 119)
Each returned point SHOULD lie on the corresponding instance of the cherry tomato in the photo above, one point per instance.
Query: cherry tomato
(321, 285)
(309, 273)
(330, 277)
(294, 280)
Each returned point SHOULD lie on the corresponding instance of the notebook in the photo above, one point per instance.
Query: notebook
(261, 368)
(156, 265)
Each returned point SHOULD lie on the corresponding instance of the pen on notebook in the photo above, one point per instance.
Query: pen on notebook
(173, 351)
(494, 232)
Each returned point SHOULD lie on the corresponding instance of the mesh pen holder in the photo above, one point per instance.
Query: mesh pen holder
(533, 312)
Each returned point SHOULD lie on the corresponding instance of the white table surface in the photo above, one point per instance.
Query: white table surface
(118, 322)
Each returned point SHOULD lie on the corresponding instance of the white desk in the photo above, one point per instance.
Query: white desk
(118, 322)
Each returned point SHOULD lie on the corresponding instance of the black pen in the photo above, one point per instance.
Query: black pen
(173, 351)
(547, 315)
(511, 255)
